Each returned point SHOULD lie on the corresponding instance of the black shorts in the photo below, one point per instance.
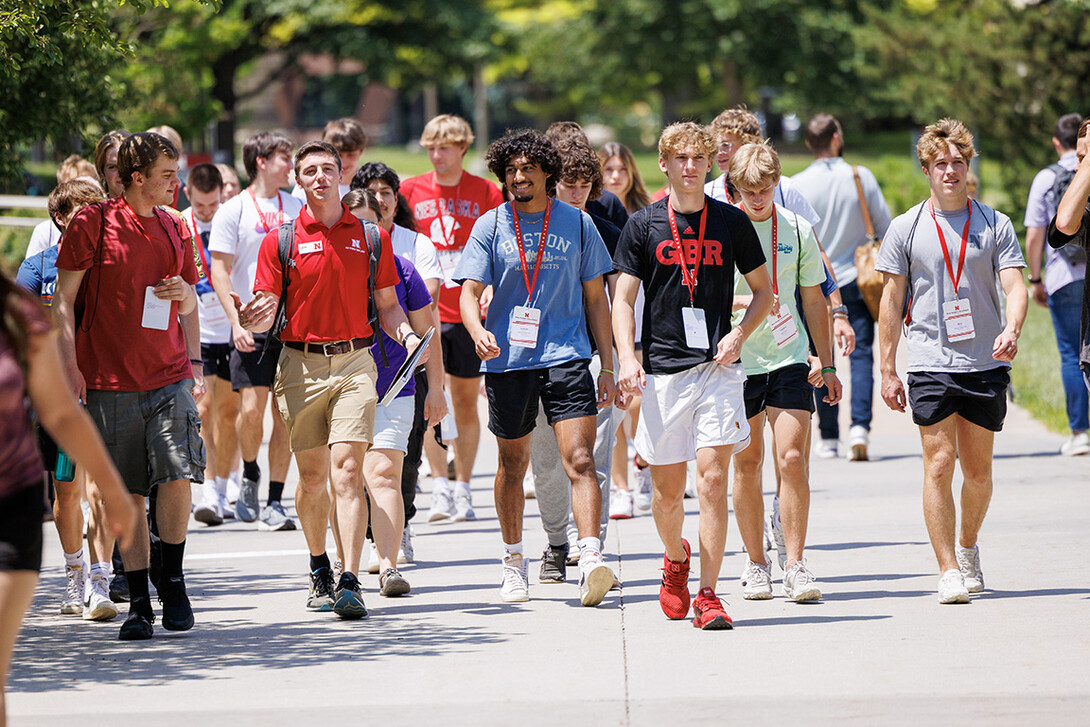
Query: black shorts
(217, 359)
(979, 397)
(785, 388)
(21, 529)
(250, 369)
(459, 354)
(566, 391)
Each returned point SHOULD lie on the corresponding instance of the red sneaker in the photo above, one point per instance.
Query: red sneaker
(709, 612)
(674, 592)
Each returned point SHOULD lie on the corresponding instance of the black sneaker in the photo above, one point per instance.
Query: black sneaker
(320, 597)
(348, 599)
(119, 588)
(137, 626)
(553, 562)
(177, 613)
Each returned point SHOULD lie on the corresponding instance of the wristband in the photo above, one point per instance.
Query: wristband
(828, 370)
(197, 361)
(410, 333)
(1034, 281)
(840, 315)
(606, 371)
(840, 310)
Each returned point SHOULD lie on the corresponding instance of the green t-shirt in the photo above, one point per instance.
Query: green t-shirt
(798, 263)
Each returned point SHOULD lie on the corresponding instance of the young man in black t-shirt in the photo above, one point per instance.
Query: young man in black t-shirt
(684, 250)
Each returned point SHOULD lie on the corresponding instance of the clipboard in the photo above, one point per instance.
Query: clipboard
(407, 369)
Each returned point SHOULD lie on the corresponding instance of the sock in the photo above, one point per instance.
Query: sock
(276, 491)
(138, 585)
(172, 558)
(220, 485)
(235, 477)
(209, 493)
(319, 561)
(512, 549)
(74, 560)
(100, 569)
(251, 471)
(461, 488)
(439, 484)
(776, 508)
(589, 548)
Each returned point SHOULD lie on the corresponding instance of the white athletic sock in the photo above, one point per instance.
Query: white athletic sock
(74, 560)
(461, 488)
(102, 569)
(439, 484)
(208, 490)
(590, 548)
(510, 549)
(221, 485)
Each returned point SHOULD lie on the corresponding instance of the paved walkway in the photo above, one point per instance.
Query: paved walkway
(878, 649)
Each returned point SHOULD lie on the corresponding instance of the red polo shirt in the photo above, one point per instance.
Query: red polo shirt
(327, 291)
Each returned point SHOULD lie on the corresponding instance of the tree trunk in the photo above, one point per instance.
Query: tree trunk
(224, 70)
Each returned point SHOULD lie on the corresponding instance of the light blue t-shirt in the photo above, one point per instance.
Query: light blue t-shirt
(574, 254)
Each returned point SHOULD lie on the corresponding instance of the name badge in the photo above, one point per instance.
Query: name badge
(784, 330)
(696, 328)
(448, 261)
(958, 318)
(156, 311)
(305, 248)
(213, 311)
(524, 326)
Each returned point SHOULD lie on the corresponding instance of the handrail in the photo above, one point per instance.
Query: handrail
(23, 202)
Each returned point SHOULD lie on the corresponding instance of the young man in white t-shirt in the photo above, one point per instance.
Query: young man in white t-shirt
(237, 231)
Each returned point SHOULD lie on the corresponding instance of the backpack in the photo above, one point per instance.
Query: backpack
(1072, 253)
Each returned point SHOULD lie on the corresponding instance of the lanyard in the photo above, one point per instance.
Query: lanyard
(261, 215)
(136, 221)
(687, 277)
(200, 249)
(964, 244)
(540, 249)
(448, 240)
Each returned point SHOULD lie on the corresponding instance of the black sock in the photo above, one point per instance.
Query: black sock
(276, 491)
(138, 585)
(172, 558)
(319, 561)
(251, 471)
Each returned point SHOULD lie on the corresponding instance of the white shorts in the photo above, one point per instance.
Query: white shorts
(393, 424)
(701, 407)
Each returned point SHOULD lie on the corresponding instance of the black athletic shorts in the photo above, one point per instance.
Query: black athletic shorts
(21, 529)
(217, 359)
(250, 369)
(566, 391)
(459, 354)
(785, 388)
(979, 397)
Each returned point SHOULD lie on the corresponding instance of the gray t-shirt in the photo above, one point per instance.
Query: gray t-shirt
(911, 248)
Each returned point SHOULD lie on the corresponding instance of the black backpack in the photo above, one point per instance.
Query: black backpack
(1073, 253)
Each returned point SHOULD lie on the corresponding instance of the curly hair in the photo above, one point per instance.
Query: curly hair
(369, 172)
(580, 163)
(936, 136)
(687, 135)
(525, 143)
(736, 120)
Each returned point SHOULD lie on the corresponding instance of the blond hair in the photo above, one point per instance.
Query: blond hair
(755, 166)
(737, 120)
(938, 135)
(447, 129)
(170, 133)
(686, 135)
(75, 166)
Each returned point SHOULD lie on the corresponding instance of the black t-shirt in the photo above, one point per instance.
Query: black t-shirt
(646, 250)
(1057, 240)
(610, 235)
(610, 207)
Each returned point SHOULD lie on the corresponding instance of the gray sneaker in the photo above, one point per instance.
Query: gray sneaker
(405, 554)
(800, 585)
(247, 508)
(273, 518)
(969, 565)
(392, 583)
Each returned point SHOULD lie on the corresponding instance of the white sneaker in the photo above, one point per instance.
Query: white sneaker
(827, 449)
(75, 583)
(969, 564)
(405, 554)
(595, 579)
(226, 510)
(756, 582)
(952, 587)
(208, 511)
(463, 506)
(515, 586)
(776, 528)
(620, 505)
(1079, 444)
(573, 541)
(529, 486)
(859, 437)
(234, 487)
(99, 607)
(800, 585)
(641, 493)
(372, 558)
(442, 504)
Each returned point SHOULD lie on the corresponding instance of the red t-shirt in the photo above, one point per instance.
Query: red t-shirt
(446, 215)
(327, 291)
(113, 349)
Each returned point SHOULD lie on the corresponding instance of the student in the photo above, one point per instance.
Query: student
(350, 141)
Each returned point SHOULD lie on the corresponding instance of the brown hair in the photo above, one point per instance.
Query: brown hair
(170, 133)
(578, 162)
(109, 140)
(139, 151)
(16, 323)
(560, 131)
(755, 166)
(820, 131)
(345, 135)
(264, 145)
(72, 196)
(737, 120)
(636, 198)
(205, 178)
(936, 136)
(315, 147)
(363, 198)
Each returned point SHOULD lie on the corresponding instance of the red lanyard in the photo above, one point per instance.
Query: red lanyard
(261, 215)
(540, 249)
(448, 240)
(687, 277)
(964, 244)
(136, 221)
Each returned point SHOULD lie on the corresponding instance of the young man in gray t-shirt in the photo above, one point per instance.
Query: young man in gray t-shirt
(942, 257)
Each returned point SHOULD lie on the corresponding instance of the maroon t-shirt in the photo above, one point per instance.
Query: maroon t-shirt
(22, 468)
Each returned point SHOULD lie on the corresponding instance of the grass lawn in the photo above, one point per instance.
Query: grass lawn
(1035, 373)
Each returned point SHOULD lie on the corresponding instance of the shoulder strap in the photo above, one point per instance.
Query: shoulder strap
(871, 237)
(994, 219)
(374, 249)
(285, 248)
(798, 236)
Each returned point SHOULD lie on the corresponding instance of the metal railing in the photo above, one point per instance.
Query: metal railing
(22, 202)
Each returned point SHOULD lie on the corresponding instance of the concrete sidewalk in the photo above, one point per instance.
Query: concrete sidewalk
(878, 649)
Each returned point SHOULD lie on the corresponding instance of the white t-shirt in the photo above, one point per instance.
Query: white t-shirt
(301, 195)
(1040, 209)
(417, 249)
(215, 326)
(787, 196)
(238, 229)
(44, 236)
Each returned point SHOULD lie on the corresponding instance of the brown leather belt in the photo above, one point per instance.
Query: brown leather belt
(333, 347)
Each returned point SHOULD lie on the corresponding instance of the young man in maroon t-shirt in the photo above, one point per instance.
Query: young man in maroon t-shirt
(123, 304)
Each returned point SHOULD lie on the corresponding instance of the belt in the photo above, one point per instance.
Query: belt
(333, 347)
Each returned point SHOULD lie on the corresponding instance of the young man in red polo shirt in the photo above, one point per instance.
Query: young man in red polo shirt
(325, 381)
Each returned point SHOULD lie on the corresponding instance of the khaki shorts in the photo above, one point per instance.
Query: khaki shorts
(326, 399)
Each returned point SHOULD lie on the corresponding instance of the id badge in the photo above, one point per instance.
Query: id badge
(306, 248)
(958, 318)
(524, 326)
(448, 262)
(213, 311)
(784, 330)
(156, 311)
(696, 328)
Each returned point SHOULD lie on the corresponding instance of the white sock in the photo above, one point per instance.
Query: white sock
(439, 484)
(590, 548)
(208, 490)
(102, 569)
(512, 549)
(461, 488)
(74, 560)
(236, 477)
(221, 485)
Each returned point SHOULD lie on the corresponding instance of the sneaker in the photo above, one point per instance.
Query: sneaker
(137, 626)
(800, 585)
(858, 437)
(442, 504)
(709, 612)
(756, 582)
(338, 568)
(1079, 444)
(529, 485)
(348, 598)
(952, 587)
(827, 449)
(75, 583)
(209, 512)
(320, 597)
(777, 540)
(620, 505)
(405, 554)
(674, 592)
(573, 542)
(595, 580)
(226, 510)
(177, 612)
(392, 583)
(99, 607)
(642, 490)
(372, 558)
(246, 507)
(515, 584)
(119, 588)
(233, 488)
(463, 507)
(690, 486)
(969, 563)
(554, 564)
(274, 518)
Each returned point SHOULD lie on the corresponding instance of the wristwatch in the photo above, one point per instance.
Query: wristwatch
(841, 310)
